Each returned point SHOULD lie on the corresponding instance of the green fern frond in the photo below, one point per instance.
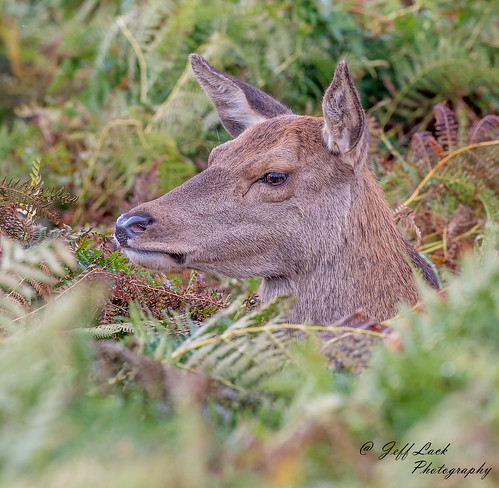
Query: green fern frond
(482, 165)
(245, 359)
(490, 201)
(108, 331)
(431, 73)
(246, 350)
(35, 176)
(33, 199)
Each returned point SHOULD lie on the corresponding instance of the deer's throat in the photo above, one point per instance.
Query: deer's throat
(275, 287)
(374, 279)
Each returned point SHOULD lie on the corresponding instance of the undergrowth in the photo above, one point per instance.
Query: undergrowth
(112, 375)
(225, 406)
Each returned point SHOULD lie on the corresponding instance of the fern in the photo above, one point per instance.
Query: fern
(15, 226)
(469, 170)
(35, 175)
(108, 331)
(24, 277)
(246, 358)
(445, 126)
(456, 206)
(485, 129)
(22, 204)
(34, 200)
(426, 148)
(432, 72)
(246, 350)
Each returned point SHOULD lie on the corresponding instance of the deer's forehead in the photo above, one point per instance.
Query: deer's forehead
(281, 140)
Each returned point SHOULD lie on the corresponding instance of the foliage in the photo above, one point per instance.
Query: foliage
(23, 204)
(170, 301)
(463, 197)
(25, 277)
(135, 414)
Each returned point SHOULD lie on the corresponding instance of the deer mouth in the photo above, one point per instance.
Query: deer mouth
(151, 258)
(177, 257)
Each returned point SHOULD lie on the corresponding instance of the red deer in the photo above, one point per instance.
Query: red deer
(291, 199)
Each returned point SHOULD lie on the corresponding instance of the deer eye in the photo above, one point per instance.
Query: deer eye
(275, 179)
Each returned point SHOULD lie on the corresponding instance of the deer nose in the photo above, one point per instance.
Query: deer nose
(131, 226)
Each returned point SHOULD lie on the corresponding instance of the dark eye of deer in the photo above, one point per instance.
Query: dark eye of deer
(275, 179)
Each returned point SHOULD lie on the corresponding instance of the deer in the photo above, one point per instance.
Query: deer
(291, 199)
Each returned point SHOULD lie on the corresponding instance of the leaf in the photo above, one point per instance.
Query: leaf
(426, 147)
(486, 129)
(445, 126)
(26, 275)
(35, 172)
(32, 199)
(108, 331)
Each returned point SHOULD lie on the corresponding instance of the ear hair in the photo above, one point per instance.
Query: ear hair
(345, 129)
(239, 104)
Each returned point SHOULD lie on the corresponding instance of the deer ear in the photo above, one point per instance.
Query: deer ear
(344, 118)
(238, 104)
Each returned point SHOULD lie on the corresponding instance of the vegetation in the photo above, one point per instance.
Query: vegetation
(112, 376)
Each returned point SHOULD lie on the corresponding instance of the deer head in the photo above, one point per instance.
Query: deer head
(290, 199)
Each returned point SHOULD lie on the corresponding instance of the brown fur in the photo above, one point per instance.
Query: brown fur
(326, 236)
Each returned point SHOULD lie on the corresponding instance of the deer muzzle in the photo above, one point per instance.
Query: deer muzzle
(130, 226)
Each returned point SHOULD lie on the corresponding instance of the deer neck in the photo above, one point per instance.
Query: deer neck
(365, 268)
